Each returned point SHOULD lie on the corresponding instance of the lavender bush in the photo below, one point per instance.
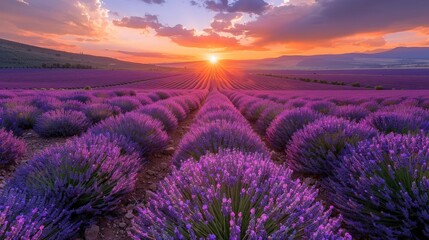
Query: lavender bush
(231, 116)
(162, 95)
(323, 107)
(371, 106)
(89, 175)
(397, 122)
(254, 111)
(126, 104)
(46, 103)
(61, 123)
(267, 117)
(382, 187)
(216, 136)
(162, 114)
(144, 100)
(175, 108)
(317, 148)
(351, 112)
(28, 217)
(286, 124)
(21, 116)
(11, 148)
(154, 97)
(145, 132)
(182, 102)
(100, 111)
(234, 196)
(73, 105)
(296, 103)
(82, 97)
(124, 92)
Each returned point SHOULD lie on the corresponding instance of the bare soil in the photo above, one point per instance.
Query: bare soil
(34, 145)
(157, 167)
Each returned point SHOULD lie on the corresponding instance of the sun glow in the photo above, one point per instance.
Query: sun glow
(213, 59)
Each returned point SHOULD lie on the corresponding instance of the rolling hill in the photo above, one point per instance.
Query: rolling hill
(396, 58)
(18, 55)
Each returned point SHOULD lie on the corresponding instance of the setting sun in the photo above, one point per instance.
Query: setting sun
(213, 59)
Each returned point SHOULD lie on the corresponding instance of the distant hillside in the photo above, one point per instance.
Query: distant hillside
(18, 55)
(395, 58)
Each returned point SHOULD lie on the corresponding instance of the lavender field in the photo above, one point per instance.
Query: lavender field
(74, 78)
(399, 79)
(214, 120)
(214, 163)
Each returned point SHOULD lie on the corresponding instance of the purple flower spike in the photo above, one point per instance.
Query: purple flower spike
(215, 136)
(60, 123)
(161, 114)
(87, 175)
(145, 132)
(11, 148)
(382, 188)
(234, 196)
(286, 124)
(317, 148)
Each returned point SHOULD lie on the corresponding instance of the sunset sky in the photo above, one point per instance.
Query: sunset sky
(152, 31)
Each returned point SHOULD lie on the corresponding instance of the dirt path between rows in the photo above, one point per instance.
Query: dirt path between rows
(34, 144)
(156, 168)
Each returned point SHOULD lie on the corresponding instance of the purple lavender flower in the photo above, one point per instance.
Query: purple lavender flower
(398, 122)
(126, 104)
(100, 111)
(215, 136)
(46, 103)
(175, 108)
(317, 148)
(11, 148)
(267, 117)
(323, 107)
(234, 196)
(371, 106)
(60, 123)
(162, 114)
(124, 92)
(154, 97)
(88, 175)
(351, 112)
(382, 187)
(286, 124)
(144, 100)
(73, 105)
(82, 97)
(424, 104)
(254, 111)
(6, 94)
(296, 103)
(145, 132)
(20, 116)
(162, 95)
(231, 116)
(31, 217)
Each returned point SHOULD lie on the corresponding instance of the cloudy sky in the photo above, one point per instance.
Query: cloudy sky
(153, 31)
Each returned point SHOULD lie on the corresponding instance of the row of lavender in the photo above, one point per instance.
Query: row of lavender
(76, 110)
(226, 187)
(62, 113)
(370, 155)
(66, 187)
